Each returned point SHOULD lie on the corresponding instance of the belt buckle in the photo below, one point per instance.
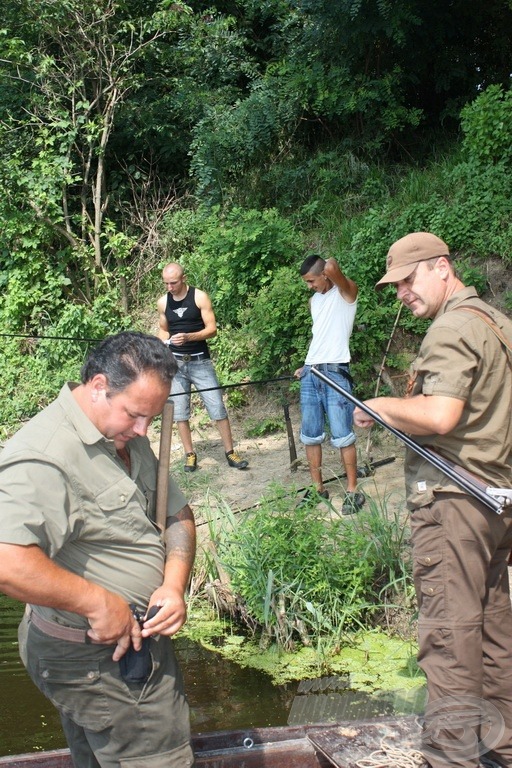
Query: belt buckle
(186, 358)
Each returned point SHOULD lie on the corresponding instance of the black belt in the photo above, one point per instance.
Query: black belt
(341, 368)
(195, 356)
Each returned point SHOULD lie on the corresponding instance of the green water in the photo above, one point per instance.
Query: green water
(221, 694)
(225, 695)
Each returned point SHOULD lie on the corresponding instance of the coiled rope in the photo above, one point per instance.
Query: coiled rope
(389, 756)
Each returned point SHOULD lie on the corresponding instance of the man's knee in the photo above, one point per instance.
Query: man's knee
(181, 757)
(181, 408)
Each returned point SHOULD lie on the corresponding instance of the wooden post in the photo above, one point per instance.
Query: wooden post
(164, 455)
(291, 439)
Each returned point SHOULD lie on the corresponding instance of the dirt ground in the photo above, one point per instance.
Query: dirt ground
(215, 484)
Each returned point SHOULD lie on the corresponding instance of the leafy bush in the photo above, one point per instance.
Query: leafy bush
(230, 351)
(227, 141)
(303, 575)
(237, 255)
(35, 368)
(279, 325)
(180, 233)
(260, 428)
(486, 123)
(308, 184)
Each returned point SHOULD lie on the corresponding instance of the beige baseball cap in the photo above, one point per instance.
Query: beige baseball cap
(404, 255)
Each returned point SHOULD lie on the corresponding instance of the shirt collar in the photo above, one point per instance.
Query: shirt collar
(469, 292)
(89, 434)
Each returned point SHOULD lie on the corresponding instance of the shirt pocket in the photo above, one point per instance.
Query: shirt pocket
(123, 509)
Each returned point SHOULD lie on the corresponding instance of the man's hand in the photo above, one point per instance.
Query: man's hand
(298, 372)
(361, 419)
(29, 575)
(178, 339)
(331, 269)
(113, 623)
(180, 543)
(171, 615)
(346, 286)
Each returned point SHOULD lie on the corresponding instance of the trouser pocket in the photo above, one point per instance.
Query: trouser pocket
(76, 689)
(181, 757)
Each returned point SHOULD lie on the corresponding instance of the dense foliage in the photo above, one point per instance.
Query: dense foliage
(236, 136)
(302, 576)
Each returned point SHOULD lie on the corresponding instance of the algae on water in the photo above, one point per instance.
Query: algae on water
(372, 661)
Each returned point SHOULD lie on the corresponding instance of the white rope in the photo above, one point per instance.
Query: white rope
(389, 756)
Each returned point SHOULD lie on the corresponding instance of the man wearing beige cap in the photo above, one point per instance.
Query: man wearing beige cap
(458, 404)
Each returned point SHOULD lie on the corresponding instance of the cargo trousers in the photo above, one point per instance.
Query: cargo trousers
(460, 557)
(109, 723)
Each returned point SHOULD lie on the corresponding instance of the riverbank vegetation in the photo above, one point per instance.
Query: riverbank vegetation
(236, 137)
(304, 577)
(302, 588)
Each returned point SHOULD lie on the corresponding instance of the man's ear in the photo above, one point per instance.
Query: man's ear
(99, 386)
(443, 266)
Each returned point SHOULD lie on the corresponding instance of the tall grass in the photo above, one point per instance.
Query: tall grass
(308, 576)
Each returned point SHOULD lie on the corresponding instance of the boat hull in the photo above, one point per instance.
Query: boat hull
(300, 746)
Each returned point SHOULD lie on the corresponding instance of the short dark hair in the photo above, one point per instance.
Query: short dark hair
(124, 357)
(313, 263)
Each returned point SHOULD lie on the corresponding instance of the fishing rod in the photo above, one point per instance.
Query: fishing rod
(494, 498)
(230, 386)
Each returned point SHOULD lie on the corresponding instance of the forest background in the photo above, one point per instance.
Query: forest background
(236, 137)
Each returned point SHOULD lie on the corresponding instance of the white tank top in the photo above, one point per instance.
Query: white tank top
(333, 320)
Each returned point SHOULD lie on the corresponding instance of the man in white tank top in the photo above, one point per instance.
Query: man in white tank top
(333, 308)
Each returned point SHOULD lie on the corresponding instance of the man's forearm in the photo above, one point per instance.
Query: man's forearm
(29, 575)
(180, 546)
(419, 415)
(202, 335)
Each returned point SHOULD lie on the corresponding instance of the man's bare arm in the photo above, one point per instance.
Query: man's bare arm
(180, 542)
(418, 415)
(163, 331)
(29, 575)
(347, 287)
(204, 304)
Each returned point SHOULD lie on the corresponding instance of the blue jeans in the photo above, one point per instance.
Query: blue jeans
(320, 402)
(202, 375)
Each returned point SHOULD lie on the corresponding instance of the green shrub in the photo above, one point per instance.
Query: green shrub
(279, 325)
(268, 426)
(35, 368)
(237, 256)
(486, 123)
(306, 576)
